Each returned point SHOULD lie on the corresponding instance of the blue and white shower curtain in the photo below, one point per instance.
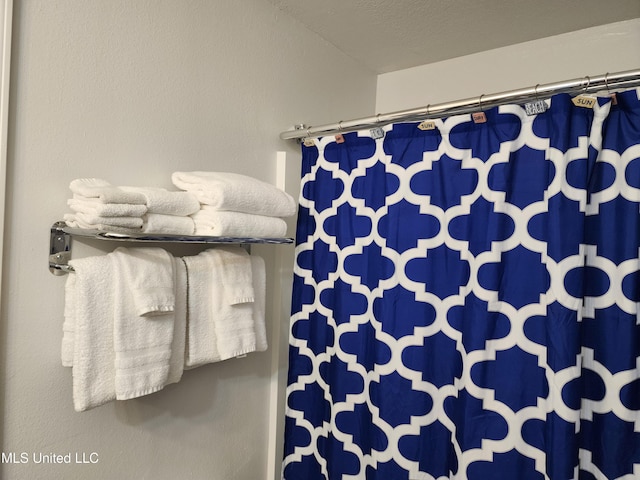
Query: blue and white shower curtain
(466, 299)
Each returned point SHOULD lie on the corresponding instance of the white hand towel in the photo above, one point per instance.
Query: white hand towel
(142, 344)
(92, 206)
(233, 311)
(167, 224)
(93, 355)
(235, 192)
(72, 221)
(160, 200)
(211, 222)
(105, 192)
(148, 273)
(122, 222)
(201, 345)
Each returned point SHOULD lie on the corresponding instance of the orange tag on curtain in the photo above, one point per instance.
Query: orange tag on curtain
(614, 99)
(479, 117)
(339, 138)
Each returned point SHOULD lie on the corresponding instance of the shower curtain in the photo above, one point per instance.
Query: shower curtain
(466, 299)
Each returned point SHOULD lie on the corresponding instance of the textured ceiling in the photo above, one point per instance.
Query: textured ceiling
(389, 35)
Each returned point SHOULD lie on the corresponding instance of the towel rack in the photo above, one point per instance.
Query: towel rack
(61, 234)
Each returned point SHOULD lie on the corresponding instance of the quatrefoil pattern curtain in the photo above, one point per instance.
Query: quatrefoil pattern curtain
(466, 299)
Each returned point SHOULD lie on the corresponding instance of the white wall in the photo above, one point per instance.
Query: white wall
(131, 91)
(594, 51)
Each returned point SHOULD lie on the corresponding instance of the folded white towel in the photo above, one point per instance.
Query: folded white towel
(201, 345)
(148, 274)
(72, 220)
(93, 355)
(241, 329)
(142, 344)
(92, 206)
(212, 222)
(122, 222)
(160, 200)
(176, 362)
(105, 192)
(235, 192)
(167, 224)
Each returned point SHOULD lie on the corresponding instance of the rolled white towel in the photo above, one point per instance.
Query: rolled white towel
(160, 200)
(104, 191)
(235, 192)
(212, 222)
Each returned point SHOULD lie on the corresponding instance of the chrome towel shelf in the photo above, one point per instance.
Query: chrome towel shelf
(61, 234)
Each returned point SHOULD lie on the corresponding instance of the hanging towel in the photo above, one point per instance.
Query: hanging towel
(94, 207)
(143, 328)
(258, 272)
(242, 329)
(167, 224)
(93, 355)
(212, 222)
(68, 326)
(201, 345)
(176, 362)
(235, 192)
(160, 200)
(233, 310)
(105, 192)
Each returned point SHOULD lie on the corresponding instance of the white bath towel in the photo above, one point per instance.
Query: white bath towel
(68, 326)
(235, 192)
(142, 344)
(176, 362)
(93, 355)
(167, 224)
(92, 206)
(160, 200)
(105, 192)
(241, 329)
(212, 222)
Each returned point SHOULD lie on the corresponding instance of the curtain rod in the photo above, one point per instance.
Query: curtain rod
(608, 81)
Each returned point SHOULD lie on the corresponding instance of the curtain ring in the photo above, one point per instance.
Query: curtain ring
(606, 83)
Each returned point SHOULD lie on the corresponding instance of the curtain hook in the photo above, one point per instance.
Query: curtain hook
(535, 91)
(606, 82)
(428, 110)
(378, 118)
(588, 83)
(340, 126)
(480, 101)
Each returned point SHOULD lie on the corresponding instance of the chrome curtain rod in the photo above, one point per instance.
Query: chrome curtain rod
(608, 81)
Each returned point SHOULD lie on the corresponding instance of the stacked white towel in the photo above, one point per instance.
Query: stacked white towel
(98, 205)
(236, 205)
